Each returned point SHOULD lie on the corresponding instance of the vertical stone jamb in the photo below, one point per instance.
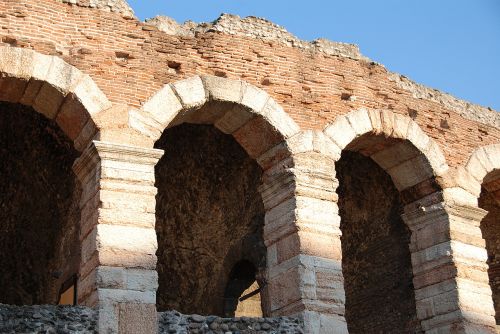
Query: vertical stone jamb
(449, 267)
(118, 266)
(302, 235)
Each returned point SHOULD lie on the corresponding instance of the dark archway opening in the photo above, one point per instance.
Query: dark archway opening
(376, 260)
(489, 200)
(39, 208)
(209, 217)
(242, 296)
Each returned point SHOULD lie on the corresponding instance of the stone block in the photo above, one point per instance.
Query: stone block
(395, 155)
(126, 239)
(255, 145)
(111, 296)
(72, 117)
(145, 124)
(341, 132)
(416, 136)
(278, 119)
(111, 277)
(16, 62)
(141, 279)
(332, 324)
(401, 124)
(191, 92)
(459, 196)
(360, 121)
(48, 101)
(163, 106)
(222, 89)
(62, 76)
(90, 96)
(376, 121)
(254, 98)
(387, 120)
(137, 318)
(234, 119)
(410, 172)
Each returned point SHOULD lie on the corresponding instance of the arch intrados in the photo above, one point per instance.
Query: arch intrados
(53, 88)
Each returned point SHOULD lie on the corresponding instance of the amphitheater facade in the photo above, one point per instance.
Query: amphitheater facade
(246, 179)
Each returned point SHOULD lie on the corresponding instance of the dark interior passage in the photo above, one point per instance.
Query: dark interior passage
(209, 217)
(39, 215)
(490, 228)
(376, 259)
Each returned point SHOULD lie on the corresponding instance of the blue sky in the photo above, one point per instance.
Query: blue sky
(451, 45)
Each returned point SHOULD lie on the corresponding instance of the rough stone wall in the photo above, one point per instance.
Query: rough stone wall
(47, 319)
(490, 228)
(130, 61)
(118, 6)
(375, 255)
(39, 215)
(209, 216)
(176, 323)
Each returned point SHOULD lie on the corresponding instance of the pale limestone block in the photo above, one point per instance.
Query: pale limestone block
(472, 301)
(274, 114)
(459, 196)
(360, 122)
(41, 66)
(436, 289)
(376, 121)
(254, 98)
(387, 119)
(301, 142)
(436, 252)
(401, 124)
(128, 175)
(340, 132)
(493, 155)
(223, 89)
(324, 145)
(332, 324)
(143, 123)
(126, 217)
(127, 238)
(91, 97)
(417, 137)
(163, 106)
(316, 210)
(124, 163)
(410, 172)
(463, 179)
(126, 201)
(108, 317)
(16, 62)
(110, 277)
(476, 168)
(395, 155)
(48, 101)
(469, 252)
(312, 323)
(126, 296)
(141, 279)
(63, 76)
(191, 92)
(436, 158)
(480, 288)
(445, 303)
(234, 119)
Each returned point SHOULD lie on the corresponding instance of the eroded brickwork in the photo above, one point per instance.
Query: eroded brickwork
(130, 61)
(376, 258)
(209, 217)
(39, 212)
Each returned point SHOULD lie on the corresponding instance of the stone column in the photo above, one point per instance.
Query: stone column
(302, 235)
(118, 260)
(449, 266)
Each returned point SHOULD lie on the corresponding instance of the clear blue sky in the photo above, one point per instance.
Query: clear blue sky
(451, 45)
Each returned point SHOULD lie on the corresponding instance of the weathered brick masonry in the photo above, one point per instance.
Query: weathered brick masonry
(247, 194)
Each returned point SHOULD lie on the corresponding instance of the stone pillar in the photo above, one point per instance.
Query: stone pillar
(118, 260)
(449, 266)
(302, 235)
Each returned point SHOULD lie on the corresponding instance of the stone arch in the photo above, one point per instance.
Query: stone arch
(53, 88)
(247, 109)
(408, 165)
(254, 120)
(410, 162)
(483, 168)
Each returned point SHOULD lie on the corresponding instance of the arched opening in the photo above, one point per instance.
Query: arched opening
(489, 200)
(209, 217)
(376, 260)
(242, 295)
(39, 209)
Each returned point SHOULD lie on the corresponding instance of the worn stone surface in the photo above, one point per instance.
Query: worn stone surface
(177, 323)
(47, 319)
(491, 233)
(375, 255)
(255, 27)
(209, 216)
(39, 214)
(118, 6)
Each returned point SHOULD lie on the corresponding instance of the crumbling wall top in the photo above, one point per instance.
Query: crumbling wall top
(254, 27)
(118, 6)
